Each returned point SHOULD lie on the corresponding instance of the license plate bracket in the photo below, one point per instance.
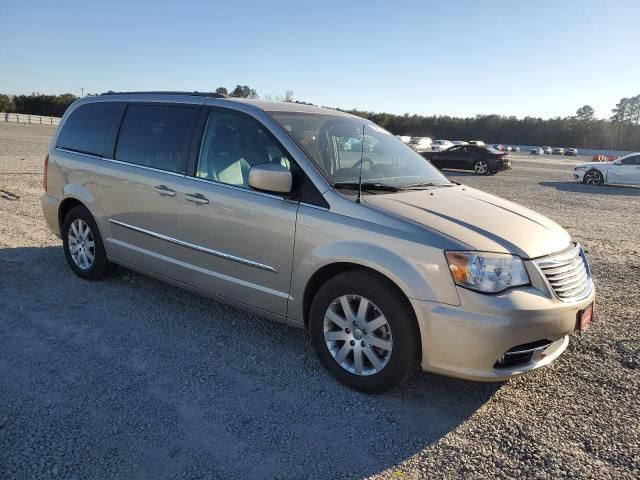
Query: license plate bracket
(585, 318)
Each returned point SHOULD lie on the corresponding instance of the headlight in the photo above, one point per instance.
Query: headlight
(487, 272)
(580, 168)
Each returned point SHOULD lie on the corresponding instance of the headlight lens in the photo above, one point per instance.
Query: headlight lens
(580, 168)
(487, 272)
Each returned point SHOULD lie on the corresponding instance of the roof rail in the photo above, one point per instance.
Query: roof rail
(192, 94)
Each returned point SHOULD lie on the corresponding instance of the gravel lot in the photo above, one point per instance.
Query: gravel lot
(131, 378)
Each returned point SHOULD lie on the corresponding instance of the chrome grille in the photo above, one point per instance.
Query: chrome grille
(568, 274)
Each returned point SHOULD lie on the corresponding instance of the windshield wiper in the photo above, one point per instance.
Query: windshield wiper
(366, 186)
(425, 184)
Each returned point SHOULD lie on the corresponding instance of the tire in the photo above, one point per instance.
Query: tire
(84, 245)
(593, 177)
(388, 354)
(481, 167)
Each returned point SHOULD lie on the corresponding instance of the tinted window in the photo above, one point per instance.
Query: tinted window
(631, 160)
(86, 128)
(156, 136)
(232, 144)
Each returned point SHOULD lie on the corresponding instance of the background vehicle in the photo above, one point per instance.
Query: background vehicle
(404, 138)
(420, 144)
(459, 142)
(625, 171)
(480, 143)
(571, 152)
(557, 151)
(440, 145)
(481, 160)
(546, 150)
(536, 151)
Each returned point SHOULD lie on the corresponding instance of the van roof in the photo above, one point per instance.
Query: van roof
(268, 106)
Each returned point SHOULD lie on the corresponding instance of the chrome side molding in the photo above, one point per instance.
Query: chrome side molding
(198, 248)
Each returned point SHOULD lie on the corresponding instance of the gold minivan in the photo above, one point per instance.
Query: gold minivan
(321, 220)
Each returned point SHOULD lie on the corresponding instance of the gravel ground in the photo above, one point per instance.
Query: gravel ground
(132, 378)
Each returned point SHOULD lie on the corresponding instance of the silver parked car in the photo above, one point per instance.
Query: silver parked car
(384, 261)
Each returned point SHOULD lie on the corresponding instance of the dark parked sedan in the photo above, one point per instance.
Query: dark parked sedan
(482, 160)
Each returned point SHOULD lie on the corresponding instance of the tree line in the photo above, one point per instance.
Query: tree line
(621, 131)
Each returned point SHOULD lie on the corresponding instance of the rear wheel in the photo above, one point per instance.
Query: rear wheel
(83, 247)
(364, 332)
(593, 177)
(481, 167)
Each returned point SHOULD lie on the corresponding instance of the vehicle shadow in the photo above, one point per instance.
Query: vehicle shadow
(626, 190)
(164, 379)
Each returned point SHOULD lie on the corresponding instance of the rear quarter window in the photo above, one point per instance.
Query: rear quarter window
(86, 129)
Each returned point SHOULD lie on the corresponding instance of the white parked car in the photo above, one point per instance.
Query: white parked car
(404, 138)
(459, 142)
(625, 170)
(440, 145)
(420, 144)
(547, 150)
(536, 151)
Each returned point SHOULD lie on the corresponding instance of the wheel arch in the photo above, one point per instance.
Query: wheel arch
(329, 271)
(66, 206)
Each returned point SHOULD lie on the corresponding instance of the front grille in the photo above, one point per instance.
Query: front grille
(568, 274)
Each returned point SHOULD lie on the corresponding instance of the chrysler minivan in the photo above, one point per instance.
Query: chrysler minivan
(385, 262)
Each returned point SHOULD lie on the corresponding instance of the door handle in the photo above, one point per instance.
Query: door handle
(164, 191)
(196, 198)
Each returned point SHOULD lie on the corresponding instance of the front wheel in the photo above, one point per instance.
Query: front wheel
(593, 177)
(364, 332)
(481, 167)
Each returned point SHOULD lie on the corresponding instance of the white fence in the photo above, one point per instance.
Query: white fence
(29, 119)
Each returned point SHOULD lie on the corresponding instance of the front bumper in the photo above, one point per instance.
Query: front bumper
(578, 175)
(466, 341)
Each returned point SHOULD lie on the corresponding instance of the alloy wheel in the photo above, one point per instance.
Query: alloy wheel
(357, 335)
(81, 244)
(481, 167)
(593, 178)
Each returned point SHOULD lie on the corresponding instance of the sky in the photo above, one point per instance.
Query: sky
(542, 58)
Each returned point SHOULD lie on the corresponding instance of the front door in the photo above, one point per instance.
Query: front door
(237, 242)
(139, 189)
(453, 157)
(627, 172)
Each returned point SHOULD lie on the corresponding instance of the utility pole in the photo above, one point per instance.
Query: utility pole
(82, 92)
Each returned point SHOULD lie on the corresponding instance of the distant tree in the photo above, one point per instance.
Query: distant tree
(6, 104)
(244, 91)
(222, 90)
(585, 113)
(584, 116)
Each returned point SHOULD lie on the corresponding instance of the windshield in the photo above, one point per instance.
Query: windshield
(335, 144)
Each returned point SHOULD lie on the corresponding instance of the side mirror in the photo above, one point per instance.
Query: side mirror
(270, 177)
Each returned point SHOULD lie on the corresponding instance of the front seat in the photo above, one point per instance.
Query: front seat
(225, 162)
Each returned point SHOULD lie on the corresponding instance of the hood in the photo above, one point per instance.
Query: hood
(482, 221)
(594, 164)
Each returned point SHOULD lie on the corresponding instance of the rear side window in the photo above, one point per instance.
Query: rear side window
(87, 127)
(156, 136)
